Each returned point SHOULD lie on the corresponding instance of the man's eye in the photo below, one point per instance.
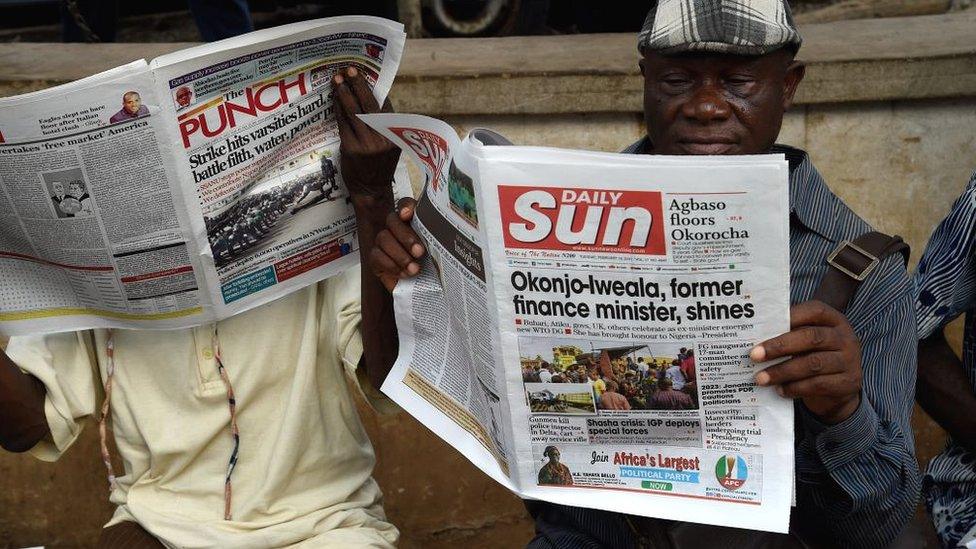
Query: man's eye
(675, 80)
(738, 80)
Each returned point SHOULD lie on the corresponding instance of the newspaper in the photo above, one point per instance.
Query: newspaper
(182, 191)
(582, 330)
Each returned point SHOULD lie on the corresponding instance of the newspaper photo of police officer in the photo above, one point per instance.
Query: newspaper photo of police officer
(274, 209)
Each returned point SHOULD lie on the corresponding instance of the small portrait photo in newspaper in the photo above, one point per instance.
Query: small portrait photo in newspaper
(69, 193)
(578, 376)
(132, 108)
(553, 472)
(182, 97)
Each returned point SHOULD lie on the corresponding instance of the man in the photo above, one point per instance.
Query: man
(132, 107)
(945, 284)
(718, 77)
(642, 367)
(668, 398)
(675, 374)
(554, 472)
(58, 197)
(329, 172)
(317, 184)
(599, 386)
(545, 375)
(688, 366)
(183, 97)
(77, 190)
(629, 389)
(273, 376)
(613, 400)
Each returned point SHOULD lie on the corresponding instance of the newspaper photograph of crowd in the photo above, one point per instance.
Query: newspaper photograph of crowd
(657, 376)
(271, 208)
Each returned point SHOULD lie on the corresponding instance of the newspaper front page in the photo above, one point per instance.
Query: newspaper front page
(582, 331)
(183, 191)
(257, 147)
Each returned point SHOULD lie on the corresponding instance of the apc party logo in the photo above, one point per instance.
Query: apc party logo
(731, 472)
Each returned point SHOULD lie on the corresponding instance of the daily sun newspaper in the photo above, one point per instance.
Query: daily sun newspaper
(182, 191)
(581, 333)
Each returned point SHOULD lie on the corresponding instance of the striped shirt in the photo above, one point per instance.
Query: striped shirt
(945, 283)
(857, 482)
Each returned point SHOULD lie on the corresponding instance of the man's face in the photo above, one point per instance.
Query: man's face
(75, 190)
(132, 103)
(183, 97)
(717, 104)
(58, 188)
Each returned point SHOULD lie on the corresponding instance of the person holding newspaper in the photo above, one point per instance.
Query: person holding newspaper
(240, 433)
(718, 78)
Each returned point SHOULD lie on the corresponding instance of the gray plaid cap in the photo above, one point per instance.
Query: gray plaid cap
(739, 27)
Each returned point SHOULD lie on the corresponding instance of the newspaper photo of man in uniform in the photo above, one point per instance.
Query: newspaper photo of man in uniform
(274, 206)
(246, 224)
(318, 184)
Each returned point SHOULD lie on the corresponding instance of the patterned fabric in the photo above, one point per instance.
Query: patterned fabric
(952, 505)
(556, 473)
(945, 283)
(857, 482)
(740, 27)
(235, 432)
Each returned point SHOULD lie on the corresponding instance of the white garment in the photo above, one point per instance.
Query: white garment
(303, 474)
(677, 378)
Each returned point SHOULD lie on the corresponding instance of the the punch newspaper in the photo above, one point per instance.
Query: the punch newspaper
(185, 190)
(582, 331)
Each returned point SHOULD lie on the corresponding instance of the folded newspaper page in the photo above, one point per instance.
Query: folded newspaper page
(182, 191)
(581, 332)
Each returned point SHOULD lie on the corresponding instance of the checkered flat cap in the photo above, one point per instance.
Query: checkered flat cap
(739, 27)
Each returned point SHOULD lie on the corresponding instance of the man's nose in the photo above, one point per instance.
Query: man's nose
(707, 105)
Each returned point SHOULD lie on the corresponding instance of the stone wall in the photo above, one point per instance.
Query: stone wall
(887, 113)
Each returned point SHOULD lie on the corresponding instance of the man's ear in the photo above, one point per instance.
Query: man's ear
(794, 74)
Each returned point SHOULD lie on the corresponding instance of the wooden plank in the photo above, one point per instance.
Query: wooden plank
(865, 60)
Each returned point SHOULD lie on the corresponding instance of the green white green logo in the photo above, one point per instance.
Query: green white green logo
(731, 472)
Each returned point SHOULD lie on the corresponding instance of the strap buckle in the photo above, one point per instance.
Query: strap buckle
(850, 271)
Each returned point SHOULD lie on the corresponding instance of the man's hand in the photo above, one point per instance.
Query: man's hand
(397, 248)
(825, 365)
(22, 420)
(944, 390)
(367, 159)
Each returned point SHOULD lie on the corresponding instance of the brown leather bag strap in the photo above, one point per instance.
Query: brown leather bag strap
(851, 262)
